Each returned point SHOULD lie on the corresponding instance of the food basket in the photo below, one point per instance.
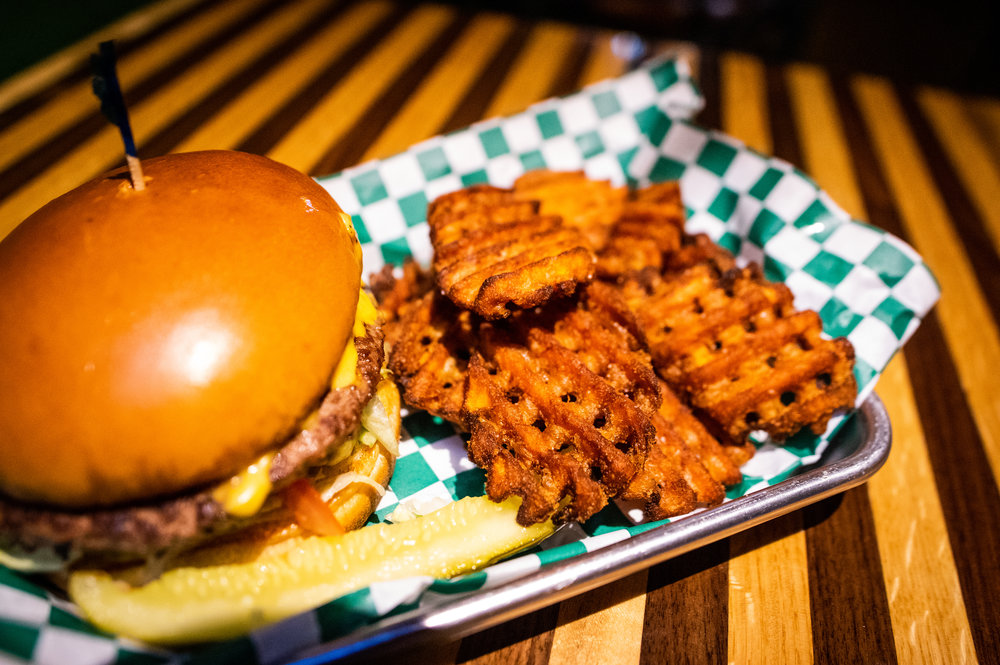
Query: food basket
(866, 285)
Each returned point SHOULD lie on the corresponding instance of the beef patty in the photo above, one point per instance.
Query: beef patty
(140, 529)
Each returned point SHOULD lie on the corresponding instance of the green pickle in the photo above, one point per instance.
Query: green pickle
(197, 604)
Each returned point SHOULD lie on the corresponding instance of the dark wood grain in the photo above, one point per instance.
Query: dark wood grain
(349, 150)
(708, 80)
(847, 596)
(526, 640)
(784, 137)
(279, 123)
(474, 103)
(574, 61)
(969, 496)
(687, 609)
(33, 163)
(430, 653)
(966, 220)
(184, 125)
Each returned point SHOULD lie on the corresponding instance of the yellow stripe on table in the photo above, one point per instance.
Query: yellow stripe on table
(602, 626)
(247, 112)
(917, 564)
(743, 91)
(927, 222)
(769, 617)
(154, 113)
(929, 623)
(535, 70)
(332, 116)
(968, 153)
(77, 101)
(603, 62)
(426, 111)
(824, 146)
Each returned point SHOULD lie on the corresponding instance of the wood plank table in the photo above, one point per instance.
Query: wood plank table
(905, 568)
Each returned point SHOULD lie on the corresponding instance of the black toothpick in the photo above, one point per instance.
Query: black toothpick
(113, 106)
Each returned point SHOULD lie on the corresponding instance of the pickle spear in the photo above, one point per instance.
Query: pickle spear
(197, 604)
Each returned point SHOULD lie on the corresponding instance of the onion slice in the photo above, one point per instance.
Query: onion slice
(380, 416)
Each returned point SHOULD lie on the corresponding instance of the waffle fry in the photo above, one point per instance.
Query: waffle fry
(606, 337)
(646, 234)
(667, 484)
(393, 294)
(739, 453)
(592, 206)
(665, 198)
(560, 397)
(432, 343)
(735, 346)
(493, 256)
(695, 250)
(687, 467)
(544, 422)
(452, 215)
(713, 454)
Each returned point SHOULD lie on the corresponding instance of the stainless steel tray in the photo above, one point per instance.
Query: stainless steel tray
(858, 451)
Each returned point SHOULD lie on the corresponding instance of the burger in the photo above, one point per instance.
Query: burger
(185, 365)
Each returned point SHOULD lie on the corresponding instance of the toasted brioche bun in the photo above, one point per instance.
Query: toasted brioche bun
(155, 340)
(353, 505)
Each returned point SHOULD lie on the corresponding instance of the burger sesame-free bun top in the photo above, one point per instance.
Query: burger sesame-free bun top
(155, 340)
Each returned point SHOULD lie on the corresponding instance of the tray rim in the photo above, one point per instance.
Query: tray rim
(478, 610)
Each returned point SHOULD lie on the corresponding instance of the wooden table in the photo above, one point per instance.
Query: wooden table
(903, 569)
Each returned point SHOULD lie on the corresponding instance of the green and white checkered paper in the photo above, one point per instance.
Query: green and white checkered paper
(867, 285)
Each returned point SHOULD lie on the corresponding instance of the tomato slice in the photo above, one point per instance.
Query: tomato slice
(310, 511)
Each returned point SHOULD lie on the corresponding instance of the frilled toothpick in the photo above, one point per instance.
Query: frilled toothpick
(113, 106)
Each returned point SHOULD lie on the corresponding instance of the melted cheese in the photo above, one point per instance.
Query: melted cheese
(245, 493)
(347, 369)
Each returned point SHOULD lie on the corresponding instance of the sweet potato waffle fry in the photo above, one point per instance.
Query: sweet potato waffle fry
(714, 455)
(432, 342)
(648, 231)
(673, 481)
(394, 294)
(592, 206)
(664, 197)
(559, 395)
(452, 215)
(545, 423)
(687, 467)
(493, 255)
(695, 250)
(605, 336)
(737, 348)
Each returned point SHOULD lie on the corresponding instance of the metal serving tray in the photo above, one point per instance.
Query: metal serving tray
(857, 451)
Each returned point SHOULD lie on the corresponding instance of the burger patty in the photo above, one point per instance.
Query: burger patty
(142, 529)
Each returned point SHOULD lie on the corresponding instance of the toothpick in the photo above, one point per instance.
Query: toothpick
(113, 107)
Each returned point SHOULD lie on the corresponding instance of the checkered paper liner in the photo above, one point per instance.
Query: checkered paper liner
(867, 285)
